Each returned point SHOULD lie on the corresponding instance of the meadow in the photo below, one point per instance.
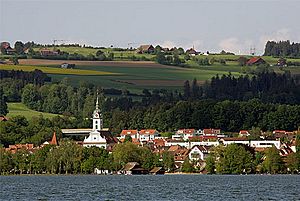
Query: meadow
(16, 109)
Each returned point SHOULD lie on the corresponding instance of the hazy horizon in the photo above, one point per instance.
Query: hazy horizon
(213, 26)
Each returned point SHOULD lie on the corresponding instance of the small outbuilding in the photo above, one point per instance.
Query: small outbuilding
(134, 168)
(157, 170)
(67, 65)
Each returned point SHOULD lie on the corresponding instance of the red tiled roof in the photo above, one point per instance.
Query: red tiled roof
(211, 131)
(129, 132)
(159, 142)
(186, 131)
(148, 131)
(235, 139)
(253, 60)
(244, 132)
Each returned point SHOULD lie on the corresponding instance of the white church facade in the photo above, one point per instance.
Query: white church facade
(98, 137)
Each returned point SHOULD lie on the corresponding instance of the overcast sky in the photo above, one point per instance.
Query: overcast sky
(207, 25)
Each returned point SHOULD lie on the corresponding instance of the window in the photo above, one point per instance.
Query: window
(96, 126)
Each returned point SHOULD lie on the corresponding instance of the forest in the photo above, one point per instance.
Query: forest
(282, 49)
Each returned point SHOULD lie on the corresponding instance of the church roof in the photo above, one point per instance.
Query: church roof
(108, 137)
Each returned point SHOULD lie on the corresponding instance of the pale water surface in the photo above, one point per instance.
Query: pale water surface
(164, 187)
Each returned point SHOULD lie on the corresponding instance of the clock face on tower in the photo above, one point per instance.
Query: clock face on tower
(96, 115)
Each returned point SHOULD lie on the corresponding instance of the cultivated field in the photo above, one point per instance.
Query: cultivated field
(16, 109)
(53, 70)
(138, 75)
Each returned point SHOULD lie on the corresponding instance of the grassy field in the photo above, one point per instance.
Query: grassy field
(20, 109)
(119, 55)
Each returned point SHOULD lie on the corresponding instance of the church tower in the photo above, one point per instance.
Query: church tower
(97, 118)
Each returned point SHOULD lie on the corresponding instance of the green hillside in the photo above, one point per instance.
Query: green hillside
(20, 109)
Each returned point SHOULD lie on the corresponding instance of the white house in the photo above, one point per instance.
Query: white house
(265, 143)
(227, 141)
(170, 143)
(98, 137)
(198, 153)
(134, 134)
(148, 135)
(184, 134)
(204, 143)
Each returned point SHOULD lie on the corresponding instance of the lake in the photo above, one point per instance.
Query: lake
(159, 187)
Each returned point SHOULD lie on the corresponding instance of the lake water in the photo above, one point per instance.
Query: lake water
(163, 187)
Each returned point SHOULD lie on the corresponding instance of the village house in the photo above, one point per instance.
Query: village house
(149, 49)
(265, 143)
(204, 141)
(99, 137)
(134, 134)
(244, 133)
(210, 132)
(146, 135)
(184, 134)
(198, 153)
(232, 140)
(171, 142)
(47, 52)
(255, 61)
(17, 147)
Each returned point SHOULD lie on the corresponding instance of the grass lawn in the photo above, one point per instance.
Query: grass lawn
(20, 109)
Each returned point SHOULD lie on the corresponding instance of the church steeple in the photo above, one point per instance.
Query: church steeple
(97, 117)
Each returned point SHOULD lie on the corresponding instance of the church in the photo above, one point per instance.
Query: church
(99, 137)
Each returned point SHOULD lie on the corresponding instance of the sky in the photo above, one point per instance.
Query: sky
(208, 25)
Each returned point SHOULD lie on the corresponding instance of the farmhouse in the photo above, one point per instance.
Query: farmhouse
(192, 52)
(47, 52)
(255, 61)
(145, 49)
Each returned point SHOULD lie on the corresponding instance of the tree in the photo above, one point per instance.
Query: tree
(3, 104)
(273, 163)
(186, 90)
(235, 160)
(168, 161)
(242, 61)
(187, 166)
(210, 164)
(127, 138)
(19, 47)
